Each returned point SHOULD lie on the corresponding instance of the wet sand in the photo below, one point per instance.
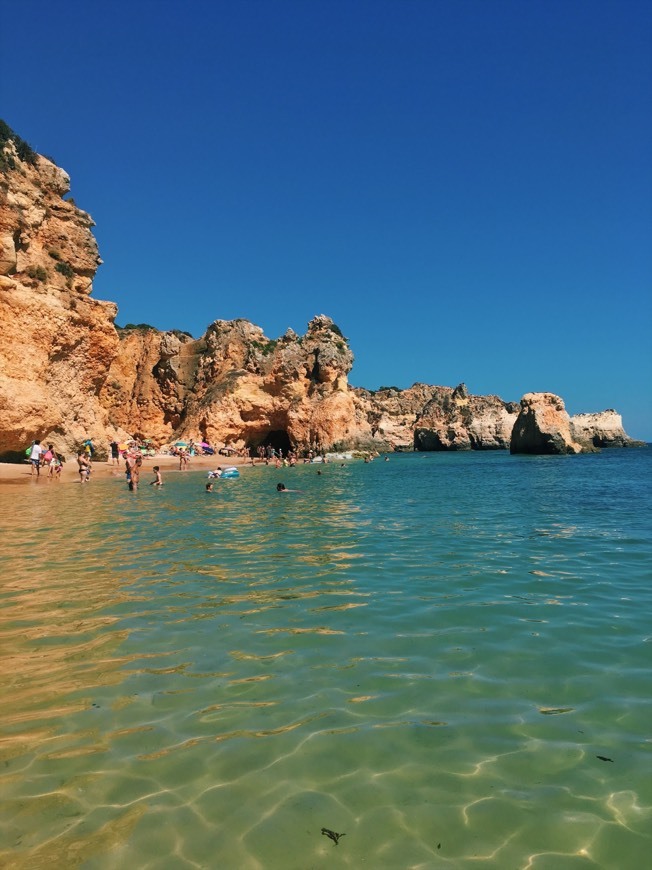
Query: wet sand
(20, 473)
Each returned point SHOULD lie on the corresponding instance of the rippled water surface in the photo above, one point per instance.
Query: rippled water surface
(444, 658)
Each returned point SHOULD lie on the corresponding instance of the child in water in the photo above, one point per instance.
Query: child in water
(158, 481)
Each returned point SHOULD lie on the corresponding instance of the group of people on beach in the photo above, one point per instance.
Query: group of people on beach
(133, 451)
(133, 465)
(134, 445)
(271, 456)
(39, 458)
(133, 459)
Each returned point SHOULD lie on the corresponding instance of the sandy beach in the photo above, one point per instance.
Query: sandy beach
(21, 473)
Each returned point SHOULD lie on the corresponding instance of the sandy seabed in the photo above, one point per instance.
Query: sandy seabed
(17, 473)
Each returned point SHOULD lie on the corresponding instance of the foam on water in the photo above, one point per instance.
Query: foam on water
(434, 656)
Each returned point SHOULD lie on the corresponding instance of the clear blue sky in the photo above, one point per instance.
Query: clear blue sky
(465, 187)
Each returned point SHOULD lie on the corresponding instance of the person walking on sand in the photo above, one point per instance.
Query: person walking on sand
(35, 458)
(158, 480)
(55, 466)
(89, 450)
(115, 453)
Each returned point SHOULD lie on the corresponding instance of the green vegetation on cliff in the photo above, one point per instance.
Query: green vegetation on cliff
(24, 151)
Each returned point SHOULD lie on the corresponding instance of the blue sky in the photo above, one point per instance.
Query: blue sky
(465, 187)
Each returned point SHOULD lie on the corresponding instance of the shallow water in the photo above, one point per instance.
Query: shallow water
(428, 655)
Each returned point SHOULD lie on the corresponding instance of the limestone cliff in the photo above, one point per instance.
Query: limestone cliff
(387, 417)
(455, 420)
(543, 426)
(234, 385)
(148, 382)
(603, 429)
(67, 372)
(293, 390)
(56, 343)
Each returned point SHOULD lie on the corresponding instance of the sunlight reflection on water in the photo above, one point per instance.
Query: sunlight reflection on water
(430, 655)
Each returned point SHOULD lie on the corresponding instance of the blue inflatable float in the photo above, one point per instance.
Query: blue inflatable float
(219, 473)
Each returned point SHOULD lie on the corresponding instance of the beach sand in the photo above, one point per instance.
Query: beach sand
(20, 473)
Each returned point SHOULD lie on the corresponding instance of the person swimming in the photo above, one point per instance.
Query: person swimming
(281, 487)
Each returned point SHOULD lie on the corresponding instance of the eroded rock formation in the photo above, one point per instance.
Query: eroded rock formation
(56, 343)
(603, 429)
(543, 426)
(235, 385)
(390, 414)
(67, 372)
(455, 420)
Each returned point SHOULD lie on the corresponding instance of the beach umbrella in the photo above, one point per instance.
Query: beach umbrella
(181, 444)
(204, 444)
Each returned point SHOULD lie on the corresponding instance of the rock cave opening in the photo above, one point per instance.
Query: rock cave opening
(277, 438)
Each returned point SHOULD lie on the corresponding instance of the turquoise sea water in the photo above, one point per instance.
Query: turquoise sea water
(427, 655)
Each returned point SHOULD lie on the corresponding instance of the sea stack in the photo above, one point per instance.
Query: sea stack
(543, 426)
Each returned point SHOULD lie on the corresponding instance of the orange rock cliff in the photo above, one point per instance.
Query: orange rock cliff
(68, 373)
(56, 342)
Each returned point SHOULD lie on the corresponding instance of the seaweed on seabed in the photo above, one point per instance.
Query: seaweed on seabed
(333, 835)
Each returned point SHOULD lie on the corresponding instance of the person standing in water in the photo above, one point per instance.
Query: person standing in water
(132, 470)
(84, 465)
(158, 480)
(135, 471)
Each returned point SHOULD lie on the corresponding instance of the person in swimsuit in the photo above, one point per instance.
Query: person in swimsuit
(135, 471)
(84, 465)
(56, 465)
(132, 471)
